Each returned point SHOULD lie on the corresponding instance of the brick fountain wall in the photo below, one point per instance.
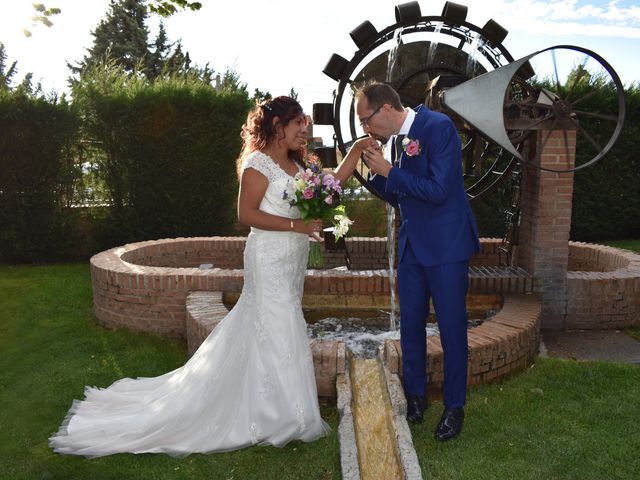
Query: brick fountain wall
(146, 286)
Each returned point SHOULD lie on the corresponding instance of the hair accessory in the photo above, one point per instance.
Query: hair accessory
(267, 106)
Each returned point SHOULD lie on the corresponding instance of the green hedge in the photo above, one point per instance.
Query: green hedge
(607, 194)
(166, 152)
(38, 172)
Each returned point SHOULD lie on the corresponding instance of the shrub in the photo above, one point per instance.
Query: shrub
(166, 152)
(38, 174)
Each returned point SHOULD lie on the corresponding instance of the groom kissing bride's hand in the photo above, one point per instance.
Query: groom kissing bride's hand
(421, 175)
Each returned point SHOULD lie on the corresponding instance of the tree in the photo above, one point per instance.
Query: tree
(230, 83)
(167, 8)
(123, 36)
(164, 8)
(41, 15)
(169, 59)
(6, 76)
(260, 96)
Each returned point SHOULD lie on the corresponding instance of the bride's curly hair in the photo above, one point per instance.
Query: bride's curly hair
(259, 129)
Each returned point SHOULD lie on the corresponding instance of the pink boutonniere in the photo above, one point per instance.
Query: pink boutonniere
(411, 147)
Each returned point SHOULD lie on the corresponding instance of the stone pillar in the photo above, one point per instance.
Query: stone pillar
(545, 222)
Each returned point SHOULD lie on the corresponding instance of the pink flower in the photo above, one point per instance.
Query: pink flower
(308, 193)
(411, 147)
(328, 200)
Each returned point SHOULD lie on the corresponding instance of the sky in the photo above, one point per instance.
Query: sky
(278, 44)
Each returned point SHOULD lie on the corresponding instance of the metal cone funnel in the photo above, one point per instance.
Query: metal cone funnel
(480, 102)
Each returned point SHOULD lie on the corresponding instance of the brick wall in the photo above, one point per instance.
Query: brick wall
(546, 199)
(152, 298)
(366, 253)
(605, 292)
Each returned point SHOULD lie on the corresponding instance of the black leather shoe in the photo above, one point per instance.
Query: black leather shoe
(415, 408)
(450, 424)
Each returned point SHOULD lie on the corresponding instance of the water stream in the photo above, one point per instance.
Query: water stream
(393, 70)
(477, 43)
(433, 45)
(391, 249)
(393, 67)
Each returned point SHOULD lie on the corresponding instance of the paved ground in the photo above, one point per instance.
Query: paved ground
(609, 345)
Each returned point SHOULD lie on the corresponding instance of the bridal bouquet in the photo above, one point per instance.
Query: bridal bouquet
(317, 195)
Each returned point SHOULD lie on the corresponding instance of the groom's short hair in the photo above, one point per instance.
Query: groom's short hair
(378, 93)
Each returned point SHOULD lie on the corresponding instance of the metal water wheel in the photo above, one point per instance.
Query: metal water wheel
(426, 58)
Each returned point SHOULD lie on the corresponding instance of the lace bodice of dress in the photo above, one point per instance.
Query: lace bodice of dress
(272, 202)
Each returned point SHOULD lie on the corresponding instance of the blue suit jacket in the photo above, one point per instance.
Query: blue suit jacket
(429, 191)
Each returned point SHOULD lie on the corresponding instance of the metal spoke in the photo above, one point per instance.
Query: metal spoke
(549, 132)
(612, 118)
(555, 69)
(539, 121)
(542, 106)
(579, 76)
(586, 134)
(588, 95)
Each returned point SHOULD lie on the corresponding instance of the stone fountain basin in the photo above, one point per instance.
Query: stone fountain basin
(144, 286)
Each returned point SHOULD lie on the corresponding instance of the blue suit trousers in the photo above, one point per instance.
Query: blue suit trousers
(446, 285)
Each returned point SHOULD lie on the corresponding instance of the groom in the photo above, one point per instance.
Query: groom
(422, 176)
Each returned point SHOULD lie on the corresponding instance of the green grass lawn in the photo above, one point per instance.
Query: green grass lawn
(559, 420)
(51, 348)
(630, 244)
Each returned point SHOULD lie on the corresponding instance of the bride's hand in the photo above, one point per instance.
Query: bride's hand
(308, 228)
(366, 142)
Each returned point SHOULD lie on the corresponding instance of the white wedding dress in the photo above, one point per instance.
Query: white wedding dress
(250, 382)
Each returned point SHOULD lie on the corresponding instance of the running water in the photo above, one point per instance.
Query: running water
(393, 67)
(472, 65)
(391, 249)
(363, 336)
(433, 45)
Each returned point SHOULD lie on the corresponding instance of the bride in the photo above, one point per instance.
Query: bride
(252, 380)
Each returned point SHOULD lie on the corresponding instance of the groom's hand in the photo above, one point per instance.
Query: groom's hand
(376, 162)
